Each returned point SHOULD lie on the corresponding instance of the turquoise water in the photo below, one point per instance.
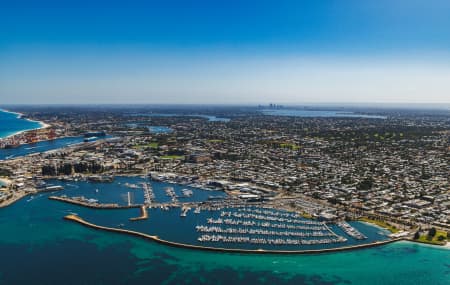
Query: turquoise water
(325, 114)
(11, 124)
(38, 247)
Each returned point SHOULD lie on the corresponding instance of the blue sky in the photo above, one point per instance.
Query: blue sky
(224, 51)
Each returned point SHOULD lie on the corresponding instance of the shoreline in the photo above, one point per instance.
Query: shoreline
(13, 200)
(43, 124)
(77, 219)
(92, 206)
(437, 246)
(376, 226)
(5, 181)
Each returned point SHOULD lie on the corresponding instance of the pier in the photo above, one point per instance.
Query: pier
(81, 201)
(240, 223)
(149, 196)
(184, 211)
(267, 227)
(351, 231)
(144, 214)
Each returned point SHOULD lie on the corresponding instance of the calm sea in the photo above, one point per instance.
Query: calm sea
(318, 114)
(38, 247)
(10, 124)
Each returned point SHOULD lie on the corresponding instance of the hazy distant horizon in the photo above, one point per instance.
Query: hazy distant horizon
(171, 52)
(311, 105)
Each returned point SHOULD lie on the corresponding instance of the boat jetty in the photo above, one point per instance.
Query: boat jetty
(351, 231)
(187, 192)
(149, 196)
(266, 227)
(100, 178)
(90, 203)
(170, 192)
(184, 211)
(143, 216)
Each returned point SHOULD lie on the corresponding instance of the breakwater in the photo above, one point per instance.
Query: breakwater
(75, 218)
(79, 202)
(144, 214)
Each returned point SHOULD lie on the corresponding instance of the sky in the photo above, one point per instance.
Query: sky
(224, 52)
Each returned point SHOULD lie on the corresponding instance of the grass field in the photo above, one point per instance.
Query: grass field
(382, 224)
(426, 239)
(149, 145)
(172, 157)
(290, 145)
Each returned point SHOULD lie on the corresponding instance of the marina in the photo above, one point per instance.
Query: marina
(225, 142)
(226, 223)
(225, 240)
(143, 216)
(351, 231)
(90, 203)
(175, 212)
(42, 229)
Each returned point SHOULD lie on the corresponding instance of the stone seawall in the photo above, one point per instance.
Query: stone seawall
(78, 219)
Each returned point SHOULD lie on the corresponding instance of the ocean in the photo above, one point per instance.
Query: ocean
(42, 146)
(38, 247)
(11, 124)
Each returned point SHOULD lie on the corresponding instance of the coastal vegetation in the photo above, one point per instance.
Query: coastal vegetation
(432, 236)
(306, 215)
(281, 144)
(287, 160)
(153, 145)
(380, 223)
(172, 157)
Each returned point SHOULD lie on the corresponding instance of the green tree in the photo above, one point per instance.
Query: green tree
(365, 184)
(49, 170)
(432, 232)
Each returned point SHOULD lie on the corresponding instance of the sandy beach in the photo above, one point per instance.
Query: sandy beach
(5, 181)
(43, 125)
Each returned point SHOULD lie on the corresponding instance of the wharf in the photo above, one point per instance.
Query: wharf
(184, 211)
(144, 214)
(14, 198)
(91, 205)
